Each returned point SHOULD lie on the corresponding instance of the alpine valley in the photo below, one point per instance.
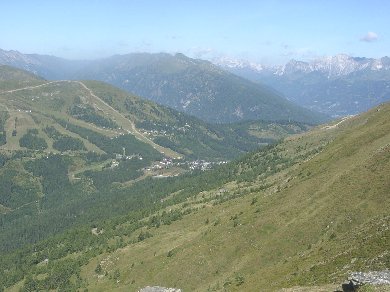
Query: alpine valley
(230, 188)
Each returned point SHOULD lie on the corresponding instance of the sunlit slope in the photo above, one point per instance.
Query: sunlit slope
(311, 223)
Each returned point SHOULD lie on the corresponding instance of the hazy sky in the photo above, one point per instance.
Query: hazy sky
(262, 31)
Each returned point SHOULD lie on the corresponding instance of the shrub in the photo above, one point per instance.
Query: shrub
(170, 253)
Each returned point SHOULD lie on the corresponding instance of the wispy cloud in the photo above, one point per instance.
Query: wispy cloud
(369, 37)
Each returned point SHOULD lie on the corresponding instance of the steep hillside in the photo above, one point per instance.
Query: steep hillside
(310, 223)
(316, 212)
(193, 86)
(307, 211)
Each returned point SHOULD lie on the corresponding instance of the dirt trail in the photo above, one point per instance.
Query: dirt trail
(33, 87)
(335, 125)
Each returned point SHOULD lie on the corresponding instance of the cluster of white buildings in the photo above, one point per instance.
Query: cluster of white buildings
(163, 164)
(154, 133)
(192, 165)
(202, 164)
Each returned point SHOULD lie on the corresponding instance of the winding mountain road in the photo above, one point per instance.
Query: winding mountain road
(33, 87)
(335, 125)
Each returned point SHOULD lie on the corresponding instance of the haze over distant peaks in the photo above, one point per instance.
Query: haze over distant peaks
(335, 85)
(337, 65)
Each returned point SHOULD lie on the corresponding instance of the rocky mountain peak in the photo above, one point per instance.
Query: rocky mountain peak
(331, 66)
(229, 62)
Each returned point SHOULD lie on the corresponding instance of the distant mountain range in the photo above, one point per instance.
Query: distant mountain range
(335, 85)
(193, 86)
(332, 66)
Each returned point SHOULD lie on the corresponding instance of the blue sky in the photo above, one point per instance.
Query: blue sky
(261, 31)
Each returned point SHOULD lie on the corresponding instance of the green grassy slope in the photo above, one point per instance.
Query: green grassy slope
(312, 224)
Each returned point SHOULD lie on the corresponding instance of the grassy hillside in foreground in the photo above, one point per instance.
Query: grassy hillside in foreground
(312, 224)
(305, 212)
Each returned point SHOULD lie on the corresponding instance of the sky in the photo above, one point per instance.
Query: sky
(267, 32)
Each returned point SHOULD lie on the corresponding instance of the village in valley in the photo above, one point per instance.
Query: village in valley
(168, 167)
(168, 163)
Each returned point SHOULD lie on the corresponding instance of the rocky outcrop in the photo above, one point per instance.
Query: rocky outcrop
(358, 279)
(372, 278)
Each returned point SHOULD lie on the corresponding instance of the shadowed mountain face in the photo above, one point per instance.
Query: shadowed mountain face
(193, 86)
